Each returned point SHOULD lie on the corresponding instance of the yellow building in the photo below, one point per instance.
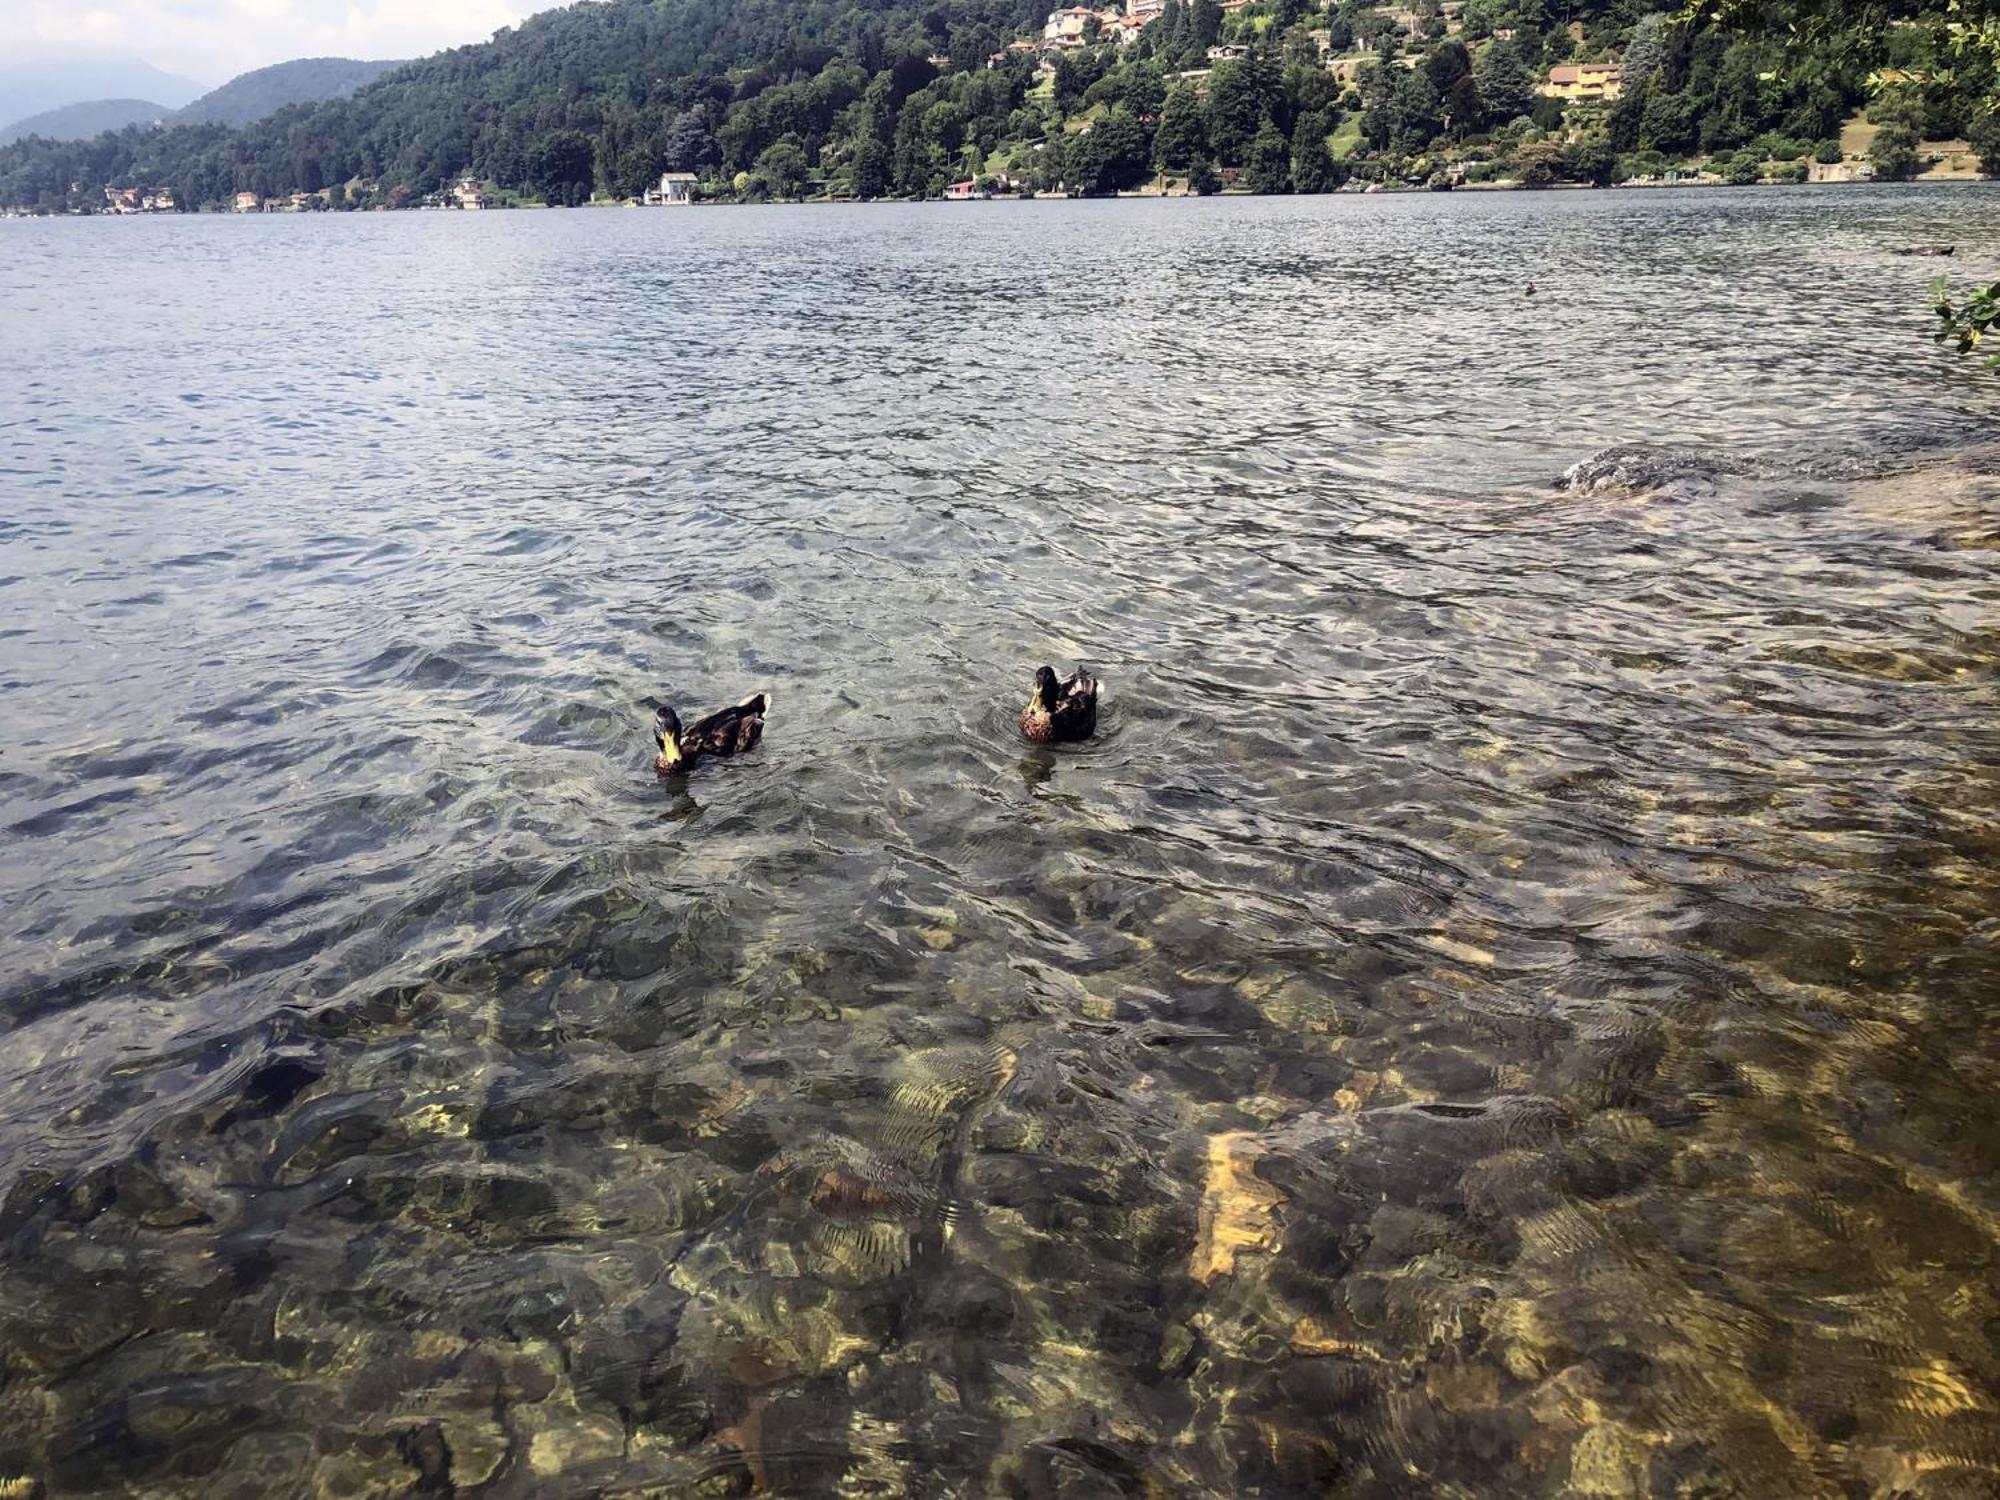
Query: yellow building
(1584, 81)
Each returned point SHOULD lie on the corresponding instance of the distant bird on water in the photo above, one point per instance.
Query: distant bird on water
(1531, 289)
(728, 731)
(1061, 711)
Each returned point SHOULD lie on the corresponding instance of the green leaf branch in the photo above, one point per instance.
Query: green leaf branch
(1965, 323)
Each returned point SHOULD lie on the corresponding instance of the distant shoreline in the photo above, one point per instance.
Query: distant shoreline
(1376, 191)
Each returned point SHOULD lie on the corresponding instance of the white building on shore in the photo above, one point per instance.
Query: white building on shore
(676, 188)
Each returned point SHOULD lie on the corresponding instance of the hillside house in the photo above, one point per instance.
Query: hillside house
(470, 193)
(1066, 28)
(1584, 81)
(245, 203)
(1227, 53)
(676, 190)
(1146, 10)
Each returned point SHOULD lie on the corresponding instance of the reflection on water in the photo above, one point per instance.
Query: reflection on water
(1504, 1007)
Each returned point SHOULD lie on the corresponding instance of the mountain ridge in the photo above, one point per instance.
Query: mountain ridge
(262, 92)
(50, 83)
(76, 122)
(243, 100)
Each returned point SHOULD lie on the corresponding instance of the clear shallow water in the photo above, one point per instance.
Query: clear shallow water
(1505, 1007)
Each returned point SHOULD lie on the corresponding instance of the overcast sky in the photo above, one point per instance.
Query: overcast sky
(212, 41)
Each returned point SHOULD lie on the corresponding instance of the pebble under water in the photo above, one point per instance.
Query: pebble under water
(1504, 1007)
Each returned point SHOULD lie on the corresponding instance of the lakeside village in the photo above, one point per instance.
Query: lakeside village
(1496, 122)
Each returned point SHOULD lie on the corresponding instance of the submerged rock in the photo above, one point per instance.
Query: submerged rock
(1637, 469)
(1236, 1207)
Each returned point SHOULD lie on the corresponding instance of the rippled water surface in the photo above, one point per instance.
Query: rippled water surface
(1505, 1007)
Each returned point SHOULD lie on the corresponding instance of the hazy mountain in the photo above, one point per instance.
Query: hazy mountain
(77, 122)
(31, 88)
(252, 96)
(241, 101)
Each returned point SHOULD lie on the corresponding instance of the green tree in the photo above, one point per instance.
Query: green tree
(1464, 109)
(1421, 118)
(560, 163)
(1898, 117)
(1051, 162)
(1310, 89)
(1204, 23)
(1381, 103)
(781, 168)
(944, 126)
(1669, 123)
(687, 144)
(1313, 167)
(1646, 51)
(870, 176)
(1075, 73)
(1983, 136)
(1109, 157)
(1445, 64)
(1592, 161)
(1183, 132)
(1202, 180)
(1538, 164)
(1628, 113)
(1505, 81)
(1267, 165)
(1236, 109)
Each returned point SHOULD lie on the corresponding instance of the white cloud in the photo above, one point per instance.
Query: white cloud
(213, 40)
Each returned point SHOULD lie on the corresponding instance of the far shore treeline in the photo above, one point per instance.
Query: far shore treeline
(781, 99)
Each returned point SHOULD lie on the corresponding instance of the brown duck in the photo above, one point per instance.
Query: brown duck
(728, 731)
(1061, 711)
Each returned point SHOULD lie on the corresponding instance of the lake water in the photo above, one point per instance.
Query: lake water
(1505, 1007)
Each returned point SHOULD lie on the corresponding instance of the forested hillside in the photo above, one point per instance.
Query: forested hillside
(851, 98)
(252, 96)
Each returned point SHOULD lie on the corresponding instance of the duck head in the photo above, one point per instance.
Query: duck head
(667, 731)
(1047, 689)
